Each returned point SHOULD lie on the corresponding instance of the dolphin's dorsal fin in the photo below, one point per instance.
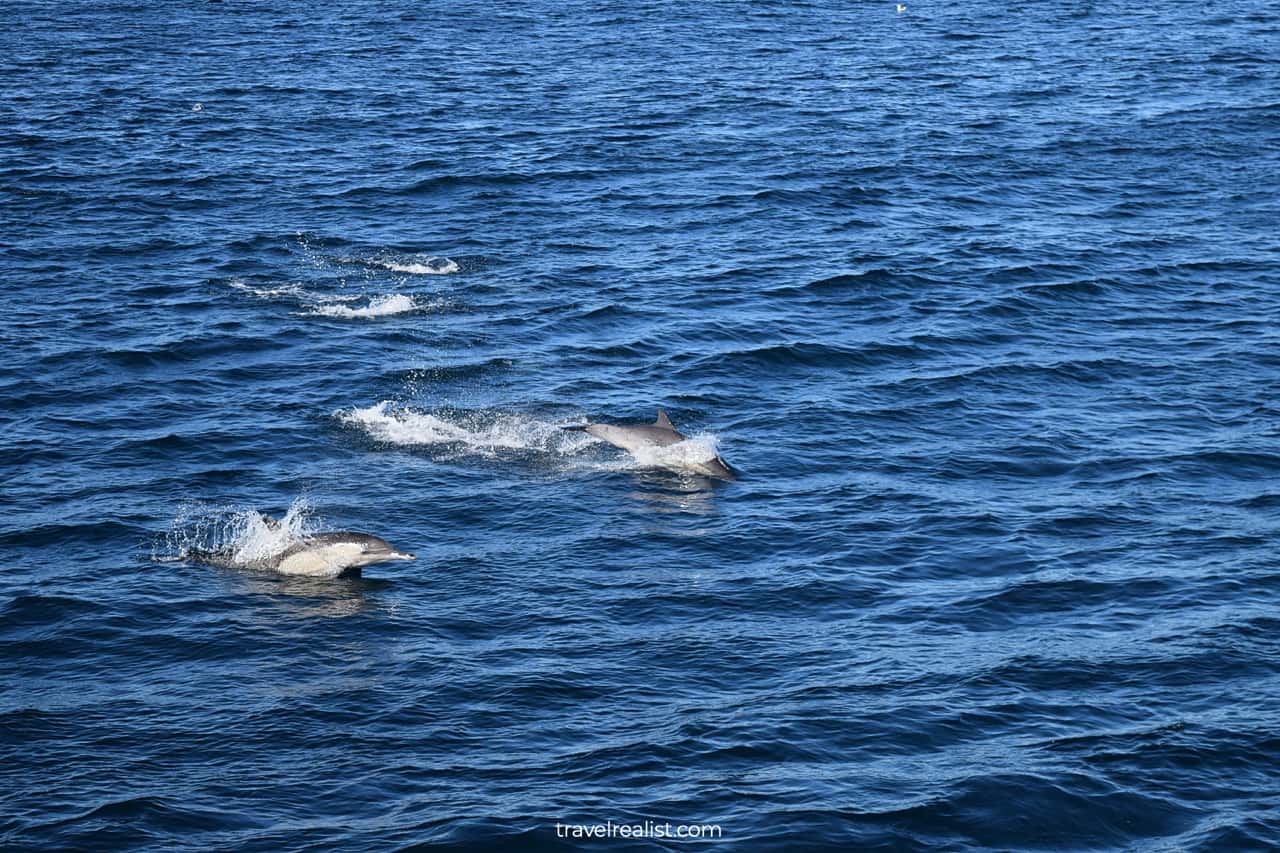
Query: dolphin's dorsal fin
(663, 420)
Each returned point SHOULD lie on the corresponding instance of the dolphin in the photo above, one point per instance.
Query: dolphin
(660, 433)
(341, 553)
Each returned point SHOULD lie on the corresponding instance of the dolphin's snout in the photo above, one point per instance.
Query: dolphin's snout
(388, 552)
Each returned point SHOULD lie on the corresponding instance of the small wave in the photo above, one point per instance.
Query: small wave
(431, 265)
(379, 306)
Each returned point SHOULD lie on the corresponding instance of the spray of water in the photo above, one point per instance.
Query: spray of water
(237, 535)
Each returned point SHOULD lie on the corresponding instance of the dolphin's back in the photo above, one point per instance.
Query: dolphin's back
(631, 437)
(340, 537)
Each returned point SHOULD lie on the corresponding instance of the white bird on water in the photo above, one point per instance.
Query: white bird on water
(902, 7)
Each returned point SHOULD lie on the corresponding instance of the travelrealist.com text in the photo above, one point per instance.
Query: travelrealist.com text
(648, 829)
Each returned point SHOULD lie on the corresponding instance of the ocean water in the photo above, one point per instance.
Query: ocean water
(979, 299)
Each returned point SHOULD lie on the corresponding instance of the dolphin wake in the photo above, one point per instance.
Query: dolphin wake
(471, 433)
(454, 436)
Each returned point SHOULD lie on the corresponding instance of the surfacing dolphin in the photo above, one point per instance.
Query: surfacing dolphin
(660, 433)
(341, 553)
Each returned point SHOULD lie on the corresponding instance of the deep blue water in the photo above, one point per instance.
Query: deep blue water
(980, 299)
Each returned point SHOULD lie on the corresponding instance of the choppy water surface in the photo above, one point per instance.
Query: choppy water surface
(980, 300)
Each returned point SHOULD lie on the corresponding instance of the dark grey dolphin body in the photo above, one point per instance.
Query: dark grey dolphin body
(341, 553)
(660, 433)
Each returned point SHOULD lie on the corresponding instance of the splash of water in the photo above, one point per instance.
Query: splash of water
(430, 265)
(240, 536)
(336, 304)
(696, 449)
(379, 306)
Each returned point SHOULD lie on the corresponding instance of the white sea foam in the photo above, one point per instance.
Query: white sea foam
(431, 265)
(379, 306)
(683, 454)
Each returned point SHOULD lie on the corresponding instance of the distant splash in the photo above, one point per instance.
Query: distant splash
(429, 265)
(284, 291)
(319, 252)
(340, 305)
(242, 535)
(379, 306)
(365, 274)
(490, 435)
